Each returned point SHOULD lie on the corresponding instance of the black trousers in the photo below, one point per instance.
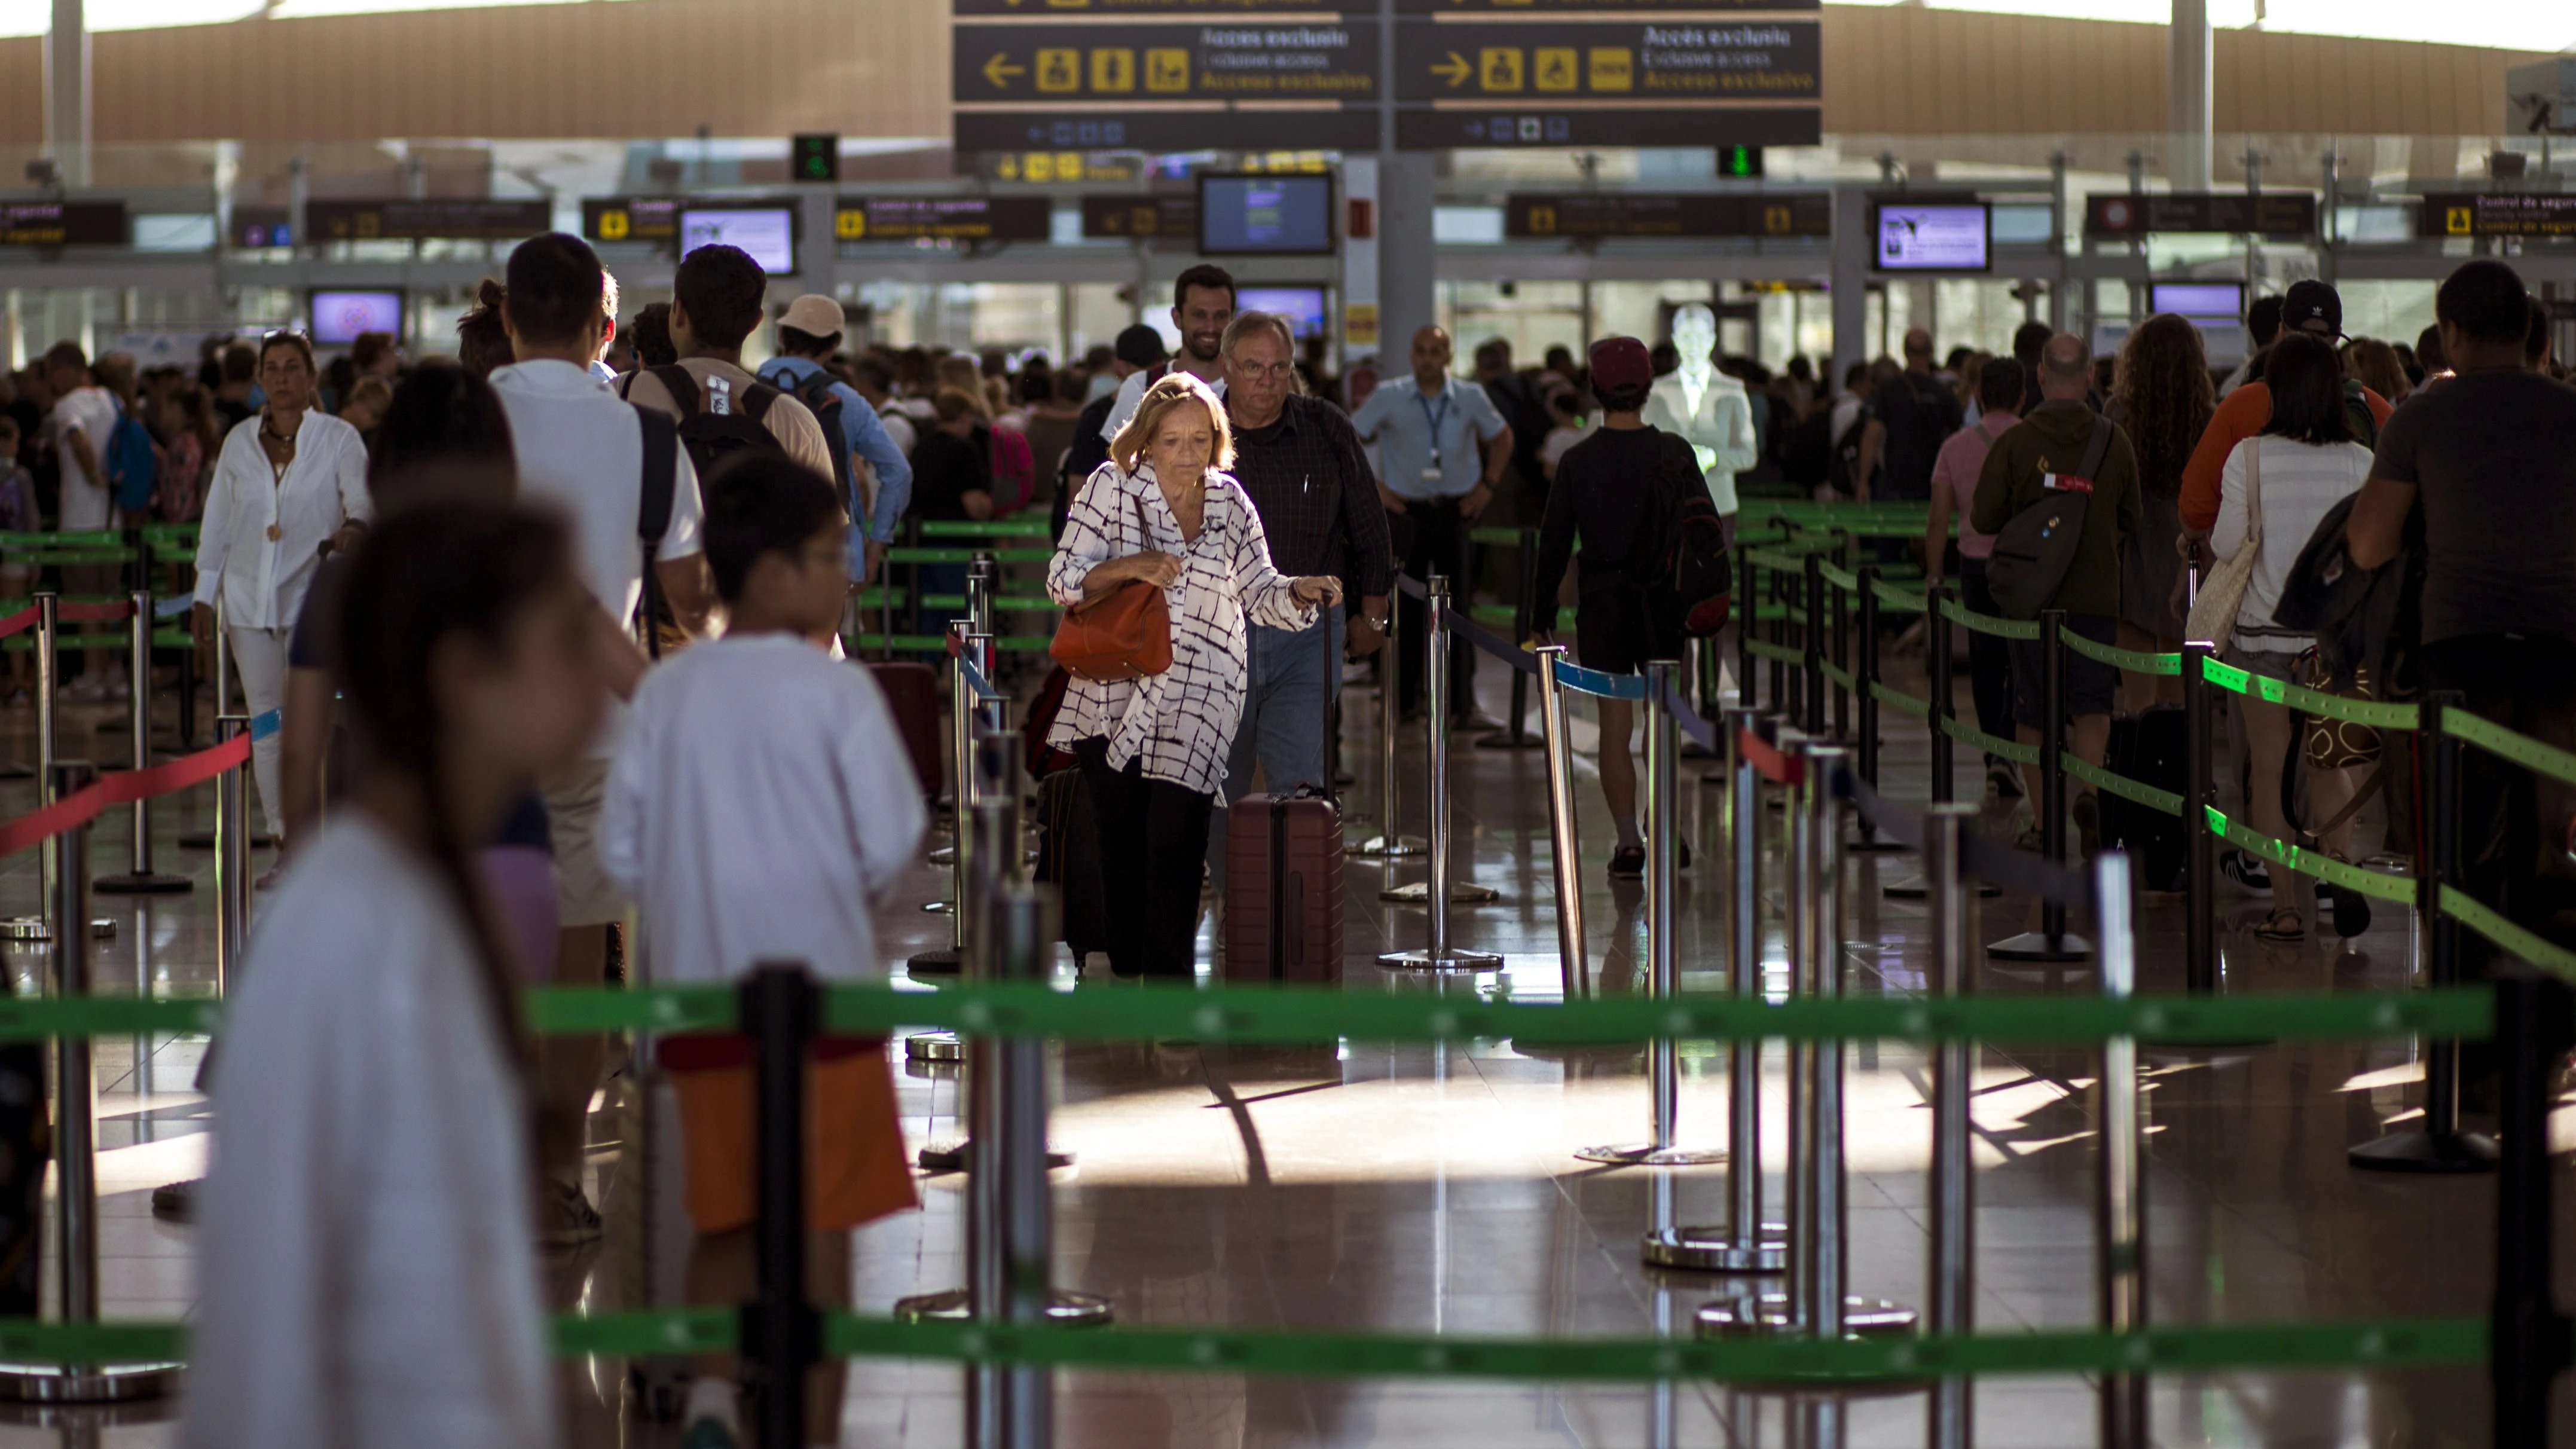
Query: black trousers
(1431, 538)
(1153, 849)
(1989, 660)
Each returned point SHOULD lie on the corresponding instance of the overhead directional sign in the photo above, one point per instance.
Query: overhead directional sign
(1626, 61)
(1194, 9)
(2270, 213)
(631, 218)
(62, 223)
(2517, 213)
(1595, 215)
(941, 218)
(1172, 129)
(432, 219)
(1433, 128)
(1595, 7)
(1141, 218)
(1129, 64)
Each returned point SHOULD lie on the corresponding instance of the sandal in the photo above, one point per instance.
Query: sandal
(2272, 930)
(1628, 862)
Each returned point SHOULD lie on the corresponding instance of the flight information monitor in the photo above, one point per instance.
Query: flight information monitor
(1302, 306)
(1266, 215)
(768, 233)
(338, 317)
(1950, 236)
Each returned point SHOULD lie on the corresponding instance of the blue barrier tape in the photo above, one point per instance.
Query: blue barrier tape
(1599, 685)
(976, 681)
(262, 726)
(1493, 643)
(1689, 721)
(173, 608)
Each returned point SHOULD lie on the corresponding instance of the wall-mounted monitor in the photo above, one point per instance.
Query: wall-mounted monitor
(2198, 300)
(1932, 236)
(1302, 306)
(768, 233)
(338, 317)
(1266, 215)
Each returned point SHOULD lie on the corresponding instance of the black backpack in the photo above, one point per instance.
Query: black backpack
(659, 487)
(2366, 621)
(2036, 546)
(1692, 584)
(816, 394)
(716, 438)
(1842, 467)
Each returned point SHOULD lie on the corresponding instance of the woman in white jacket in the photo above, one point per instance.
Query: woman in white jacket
(290, 484)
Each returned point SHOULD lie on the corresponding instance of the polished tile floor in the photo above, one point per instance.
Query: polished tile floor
(1434, 1189)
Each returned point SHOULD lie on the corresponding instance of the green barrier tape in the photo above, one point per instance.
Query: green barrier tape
(28, 1341)
(2484, 919)
(1765, 649)
(1837, 674)
(24, 1018)
(1503, 614)
(1894, 597)
(2121, 785)
(173, 639)
(2523, 750)
(1976, 623)
(2397, 888)
(556, 1009)
(2131, 660)
(672, 1333)
(1903, 703)
(1007, 528)
(1506, 537)
(2375, 713)
(1775, 560)
(1843, 579)
(1996, 745)
(2424, 1343)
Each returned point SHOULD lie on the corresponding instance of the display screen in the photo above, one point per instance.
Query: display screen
(2225, 300)
(338, 317)
(1932, 237)
(1240, 215)
(1302, 306)
(768, 233)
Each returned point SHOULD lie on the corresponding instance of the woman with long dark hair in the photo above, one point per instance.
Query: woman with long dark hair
(366, 1270)
(2162, 397)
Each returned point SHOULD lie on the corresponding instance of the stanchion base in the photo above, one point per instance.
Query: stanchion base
(29, 929)
(936, 908)
(2427, 1152)
(1915, 888)
(177, 1201)
(944, 855)
(16, 772)
(1711, 1250)
(205, 840)
(1770, 1316)
(935, 1046)
(1504, 741)
(1452, 959)
(959, 1156)
(45, 1383)
(1871, 845)
(2037, 946)
(942, 962)
(1065, 1308)
(1376, 848)
(1641, 1155)
(151, 883)
(1419, 894)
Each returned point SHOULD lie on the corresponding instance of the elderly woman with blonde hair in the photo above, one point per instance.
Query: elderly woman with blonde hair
(1163, 511)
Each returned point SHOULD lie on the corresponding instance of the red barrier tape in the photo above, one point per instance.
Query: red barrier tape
(122, 789)
(25, 619)
(18, 622)
(1775, 766)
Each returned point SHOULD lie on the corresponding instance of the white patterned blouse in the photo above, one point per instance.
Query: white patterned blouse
(1181, 722)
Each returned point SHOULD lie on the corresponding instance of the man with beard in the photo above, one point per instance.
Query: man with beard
(1202, 303)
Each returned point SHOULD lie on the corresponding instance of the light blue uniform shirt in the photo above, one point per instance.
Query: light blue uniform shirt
(863, 435)
(1430, 447)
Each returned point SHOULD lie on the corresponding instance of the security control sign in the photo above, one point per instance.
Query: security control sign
(1606, 214)
(1626, 61)
(2529, 214)
(1143, 128)
(442, 219)
(2268, 213)
(1140, 218)
(62, 223)
(1126, 64)
(631, 218)
(1433, 128)
(941, 218)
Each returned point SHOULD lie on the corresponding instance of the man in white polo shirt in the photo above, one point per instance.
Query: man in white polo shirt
(581, 449)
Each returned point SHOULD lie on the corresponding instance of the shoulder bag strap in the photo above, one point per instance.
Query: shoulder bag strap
(682, 385)
(2096, 450)
(656, 492)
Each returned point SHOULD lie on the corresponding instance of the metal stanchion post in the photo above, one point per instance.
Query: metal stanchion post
(1524, 611)
(1663, 849)
(780, 1332)
(205, 840)
(2122, 1189)
(2052, 942)
(1574, 964)
(33, 927)
(2200, 848)
(1865, 687)
(1390, 842)
(1781, 699)
(2536, 1021)
(1438, 892)
(1811, 635)
(75, 1135)
(1952, 1422)
(140, 879)
(1748, 600)
(2441, 1145)
(232, 859)
(1938, 642)
(1746, 1244)
(1819, 1303)
(1842, 652)
(961, 742)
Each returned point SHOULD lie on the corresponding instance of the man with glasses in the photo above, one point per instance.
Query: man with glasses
(1301, 464)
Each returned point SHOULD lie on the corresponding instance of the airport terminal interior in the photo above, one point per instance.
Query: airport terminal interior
(1891, 1077)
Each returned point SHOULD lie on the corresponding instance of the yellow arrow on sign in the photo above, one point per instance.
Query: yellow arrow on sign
(1454, 70)
(999, 70)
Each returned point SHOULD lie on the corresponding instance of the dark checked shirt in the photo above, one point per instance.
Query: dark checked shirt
(1317, 498)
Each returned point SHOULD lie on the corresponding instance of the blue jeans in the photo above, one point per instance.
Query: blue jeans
(1288, 682)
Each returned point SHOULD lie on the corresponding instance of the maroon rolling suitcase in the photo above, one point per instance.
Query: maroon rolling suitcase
(912, 696)
(1283, 888)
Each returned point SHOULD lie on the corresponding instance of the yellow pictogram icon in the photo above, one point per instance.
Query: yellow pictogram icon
(1454, 70)
(1059, 70)
(2457, 221)
(1498, 68)
(614, 224)
(1542, 220)
(850, 225)
(1113, 70)
(1775, 220)
(1613, 67)
(1557, 70)
(1167, 70)
(999, 70)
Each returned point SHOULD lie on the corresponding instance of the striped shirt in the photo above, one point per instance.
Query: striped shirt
(1181, 722)
(2300, 484)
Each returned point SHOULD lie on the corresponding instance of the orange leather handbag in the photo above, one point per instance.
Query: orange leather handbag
(1124, 634)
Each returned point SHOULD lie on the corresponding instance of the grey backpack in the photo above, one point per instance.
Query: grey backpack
(2036, 546)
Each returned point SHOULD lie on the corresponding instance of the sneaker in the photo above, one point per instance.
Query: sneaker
(2087, 811)
(2005, 779)
(570, 1220)
(709, 1433)
(1628, 862)
(2246, 871)
(1684, 863)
